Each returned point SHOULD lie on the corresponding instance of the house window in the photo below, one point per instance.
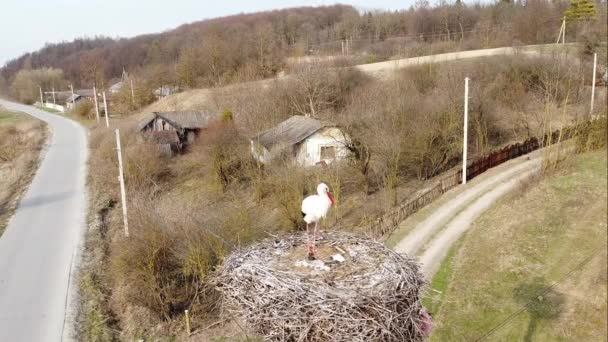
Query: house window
(328, 152)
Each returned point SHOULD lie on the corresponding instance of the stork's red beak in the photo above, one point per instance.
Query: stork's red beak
(331, 198)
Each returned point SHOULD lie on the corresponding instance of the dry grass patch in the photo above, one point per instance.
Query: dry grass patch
(21, 139)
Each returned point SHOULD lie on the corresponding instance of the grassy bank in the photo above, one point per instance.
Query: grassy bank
(536, 263)
(21, 140)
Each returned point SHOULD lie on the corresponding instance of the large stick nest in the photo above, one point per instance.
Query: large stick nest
(356, 290)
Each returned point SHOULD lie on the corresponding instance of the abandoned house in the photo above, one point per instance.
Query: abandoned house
(175, 129)
(73, 100)
(79, 96)
(306, 140)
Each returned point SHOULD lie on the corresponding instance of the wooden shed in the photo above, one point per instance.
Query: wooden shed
(185, 125)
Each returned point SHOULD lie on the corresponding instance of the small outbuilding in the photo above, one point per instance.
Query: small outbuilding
(306, 140)
(175, 128)
(73, 100)
(79, 96)
(116, 87)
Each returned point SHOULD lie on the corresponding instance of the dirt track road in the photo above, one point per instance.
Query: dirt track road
(390, 66)
(432, 231)
(194, 99)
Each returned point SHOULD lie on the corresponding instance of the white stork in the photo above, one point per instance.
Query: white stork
(314, 209)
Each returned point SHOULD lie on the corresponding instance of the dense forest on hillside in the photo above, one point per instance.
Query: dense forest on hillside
(252, 46)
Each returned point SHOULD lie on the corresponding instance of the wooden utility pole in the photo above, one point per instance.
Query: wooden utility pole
(562, 32)
(347, 47)
(342, 47)
(41, 97)
(188, 323)
(466, 119)
(593, 83)
(54, 102)
(132, 92)
(73, 102)
(105, 106)
(121, 179)
(564, 35)
(96, 104)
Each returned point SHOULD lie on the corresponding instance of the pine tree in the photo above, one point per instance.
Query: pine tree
(581, 10)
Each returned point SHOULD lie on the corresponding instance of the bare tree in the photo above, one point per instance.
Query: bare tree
(313, 90)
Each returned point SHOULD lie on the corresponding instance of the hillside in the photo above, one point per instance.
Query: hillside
(229, 43)
(252, 46)
(545, 247)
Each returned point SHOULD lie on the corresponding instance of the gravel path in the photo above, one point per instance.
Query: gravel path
(432, 257)
(426, 229)
(432, 238)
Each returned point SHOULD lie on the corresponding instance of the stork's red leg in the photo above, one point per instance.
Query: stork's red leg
(310, 249)
(314, 239)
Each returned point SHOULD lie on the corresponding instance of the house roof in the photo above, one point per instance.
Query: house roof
(180, 120)
(291, 131)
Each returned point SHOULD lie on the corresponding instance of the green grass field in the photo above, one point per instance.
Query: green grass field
(9, 118)
(533, 268)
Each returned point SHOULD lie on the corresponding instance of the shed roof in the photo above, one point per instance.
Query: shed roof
(73, 98)
(291, 131)
(180, 120)
(145, 121)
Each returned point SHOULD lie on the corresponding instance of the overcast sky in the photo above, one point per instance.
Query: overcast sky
(26, 25)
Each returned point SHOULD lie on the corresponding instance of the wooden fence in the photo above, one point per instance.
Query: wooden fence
(388, 222)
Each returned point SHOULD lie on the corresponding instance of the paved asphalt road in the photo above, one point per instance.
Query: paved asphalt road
(37, 248)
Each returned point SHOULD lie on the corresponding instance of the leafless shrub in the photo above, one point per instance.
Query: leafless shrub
(314, 90)
(84, 109)
(592, 136)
